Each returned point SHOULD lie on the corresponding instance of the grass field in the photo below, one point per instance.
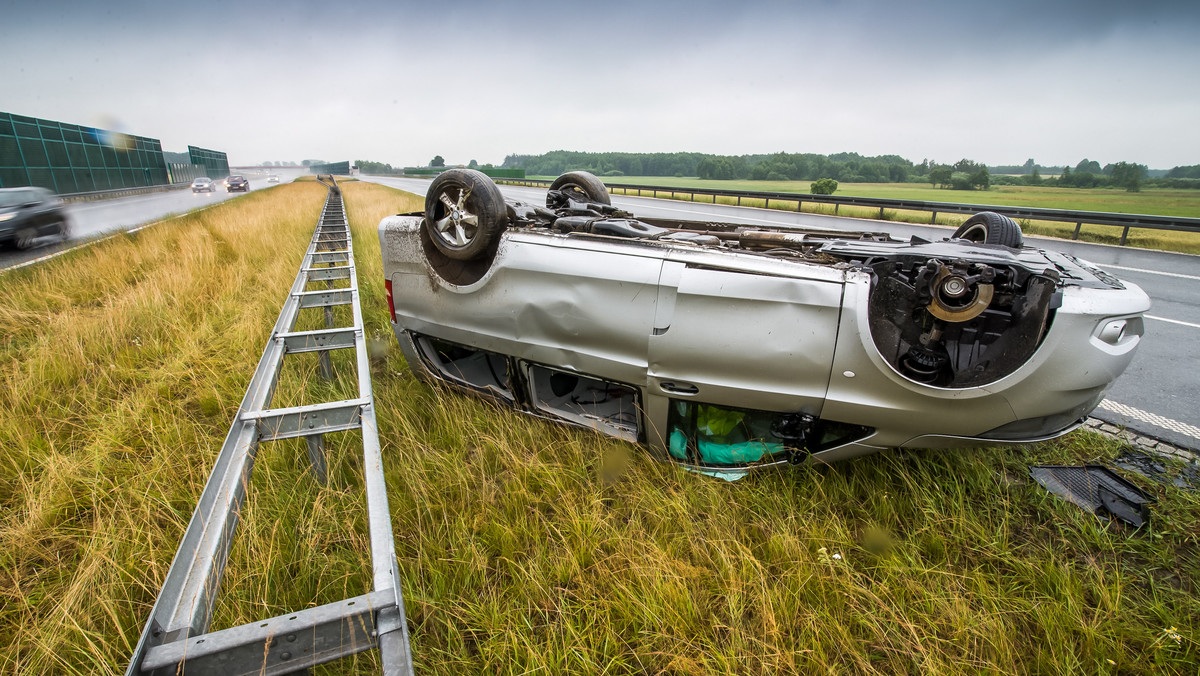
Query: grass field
(1162, 202)
(524, 547)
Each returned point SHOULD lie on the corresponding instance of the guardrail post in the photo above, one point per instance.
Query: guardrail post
(316, 456)
(1124, 235)
(1077, 228)
(766, 203)
(932, 217)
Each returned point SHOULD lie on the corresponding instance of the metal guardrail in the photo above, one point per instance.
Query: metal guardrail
(1079, 218)
(70, 197)
(176, 638)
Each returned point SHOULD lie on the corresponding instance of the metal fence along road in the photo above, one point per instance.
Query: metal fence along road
(176, 638)
(1079, 218)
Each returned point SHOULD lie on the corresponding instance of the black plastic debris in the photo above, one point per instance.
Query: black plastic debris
(1159, 470)
(1097, 489)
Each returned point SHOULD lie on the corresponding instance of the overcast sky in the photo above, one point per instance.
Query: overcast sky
(399, 82)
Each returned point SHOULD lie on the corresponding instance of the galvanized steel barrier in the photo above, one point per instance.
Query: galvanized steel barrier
(118, 192)
(176, 638)
(1079, 218)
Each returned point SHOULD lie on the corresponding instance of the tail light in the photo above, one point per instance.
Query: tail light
(387, 285)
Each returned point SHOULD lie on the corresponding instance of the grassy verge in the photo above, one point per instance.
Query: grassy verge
(1163, 202)
(524, 547)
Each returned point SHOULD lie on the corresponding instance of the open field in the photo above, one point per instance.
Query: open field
(524, 547)
(1153, 201)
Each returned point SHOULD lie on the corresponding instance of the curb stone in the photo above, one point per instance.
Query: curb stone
(1143, 443)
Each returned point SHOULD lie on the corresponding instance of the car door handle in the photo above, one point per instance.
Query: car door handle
(678, 388)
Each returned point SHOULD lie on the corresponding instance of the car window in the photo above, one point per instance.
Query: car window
(14, 198)
(479, 369)
(588, 401)
(721, 435)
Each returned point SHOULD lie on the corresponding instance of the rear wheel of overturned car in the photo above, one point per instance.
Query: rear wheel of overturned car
(581, 187)
(988, 227)
(464, 213)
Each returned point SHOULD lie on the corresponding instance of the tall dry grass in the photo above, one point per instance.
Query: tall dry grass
(524, 547)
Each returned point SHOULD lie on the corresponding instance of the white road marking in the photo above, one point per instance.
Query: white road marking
(1173, 321)
(1152, 418)
(1149, 272)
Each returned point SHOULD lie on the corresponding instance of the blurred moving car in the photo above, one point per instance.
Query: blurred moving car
(203, 184)
(726, 347)
(272, 179)
(29, 213)
(237, 183)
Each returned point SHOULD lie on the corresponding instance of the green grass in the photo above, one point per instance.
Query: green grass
(1163, 202)
(523, 546)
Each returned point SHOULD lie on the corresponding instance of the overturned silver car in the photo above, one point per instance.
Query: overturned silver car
(727, 347)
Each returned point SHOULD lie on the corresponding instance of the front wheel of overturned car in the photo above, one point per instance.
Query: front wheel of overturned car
(988, 227)
(464, 213)
(582, 187)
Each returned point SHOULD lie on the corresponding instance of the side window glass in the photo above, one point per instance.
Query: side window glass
(478, 369)
(608, 407)
(705, 434)
(718, 435)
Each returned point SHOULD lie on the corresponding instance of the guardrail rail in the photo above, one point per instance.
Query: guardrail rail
(176, 638)
(1079, 218)
(95, 195)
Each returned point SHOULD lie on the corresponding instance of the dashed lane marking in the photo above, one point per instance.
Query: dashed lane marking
(1152, 418)
(1149, 272)
(1173, 321)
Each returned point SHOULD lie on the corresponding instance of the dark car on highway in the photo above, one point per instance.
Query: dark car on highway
(29, 213)
(237, 183)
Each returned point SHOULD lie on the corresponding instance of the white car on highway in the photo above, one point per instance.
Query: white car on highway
(203, 184)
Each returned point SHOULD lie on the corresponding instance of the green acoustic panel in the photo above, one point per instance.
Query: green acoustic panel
(71, 158)
(215, 162)
(340, 168)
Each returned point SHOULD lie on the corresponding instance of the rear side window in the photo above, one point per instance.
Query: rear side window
(487, 372)
(609, 407)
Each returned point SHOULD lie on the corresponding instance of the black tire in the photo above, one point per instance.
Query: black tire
(581, 187)
(987, 227)
(464, 213)
(23, 238)
(64, 229)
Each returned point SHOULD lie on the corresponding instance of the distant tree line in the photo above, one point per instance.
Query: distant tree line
(964, 174)
(854, 168)
(378, 168)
